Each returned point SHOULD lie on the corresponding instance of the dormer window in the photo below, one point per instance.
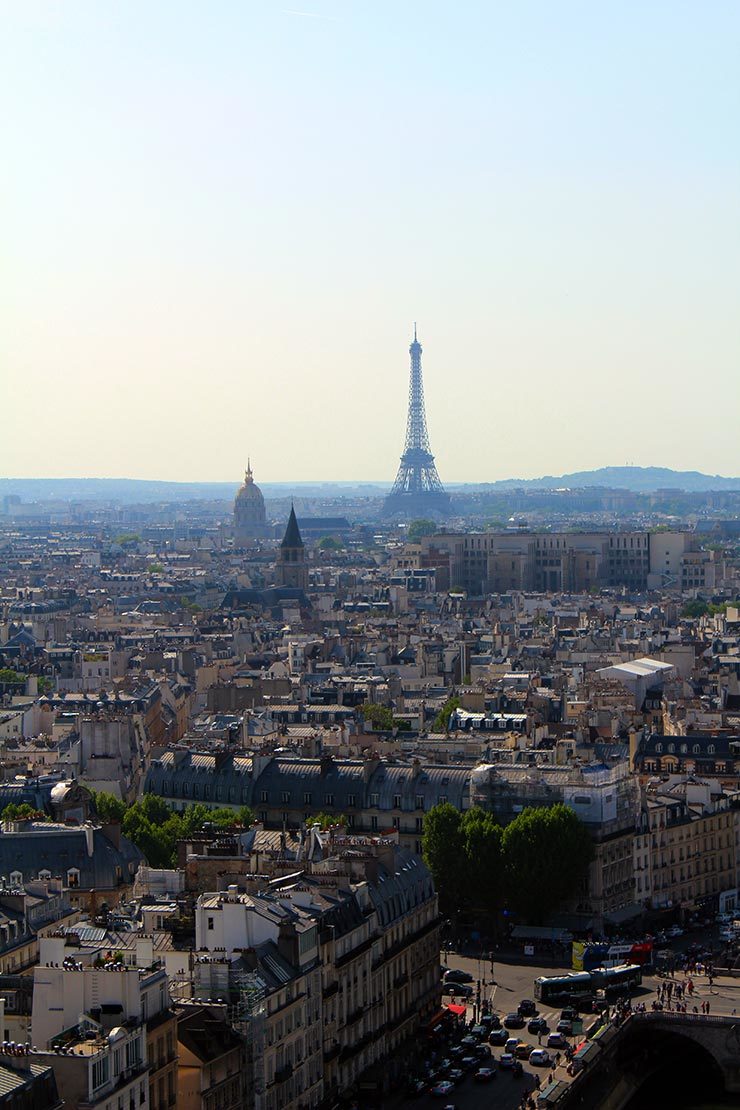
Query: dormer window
(658, 748)
(16, 878)
(44, 875)
(73, 877)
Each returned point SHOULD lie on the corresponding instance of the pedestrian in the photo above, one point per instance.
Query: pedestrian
(707, 1008)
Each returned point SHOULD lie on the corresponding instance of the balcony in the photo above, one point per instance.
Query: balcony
(355, 1015)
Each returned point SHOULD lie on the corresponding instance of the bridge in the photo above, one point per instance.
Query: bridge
(645, 1046)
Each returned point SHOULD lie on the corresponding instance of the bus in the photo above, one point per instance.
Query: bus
(558, 990)
(617, 980)
(555, 990)
(586, 955)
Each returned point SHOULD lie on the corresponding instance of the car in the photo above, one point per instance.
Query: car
(457, 988)
(538, 1025)
(478, 1031)
(451, 975)
(523, 1050)
(726, 934)
(456, 1075)
(507, 1060)
(675, 932)
(469, 1041)
(498, 1037)
(723, 918)
(483, 1052)
(511, 1044)
(569, 1014)
(491, 1021)
(539, 1057)
(565, 1027)
(527, 1007)
(514, 1021)
(469, 1063)
(416, 1088)
(556, 1040)
(484, 1075)
(443, 1089)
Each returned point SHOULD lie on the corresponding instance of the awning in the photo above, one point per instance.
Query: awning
(458, 1011)
(625, 913)
(540, 932)
(552, 1093)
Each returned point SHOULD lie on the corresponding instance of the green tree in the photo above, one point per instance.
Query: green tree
(546, 852)
(127, 538)
(442, 720)
(326, 820)
(330, 543)
(419, 528)
(22, 811)
(442, 847)
(379, 716)
(484, 879)
(9, 677)
(108, 807)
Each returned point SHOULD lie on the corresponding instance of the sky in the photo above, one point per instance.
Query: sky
(219, 222)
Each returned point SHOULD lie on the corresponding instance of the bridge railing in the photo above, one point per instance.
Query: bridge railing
(664, 1015)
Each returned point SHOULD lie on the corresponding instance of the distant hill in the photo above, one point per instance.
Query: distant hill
(638, 479)
(139, 491)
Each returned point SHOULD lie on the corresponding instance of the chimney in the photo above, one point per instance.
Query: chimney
(288, 943)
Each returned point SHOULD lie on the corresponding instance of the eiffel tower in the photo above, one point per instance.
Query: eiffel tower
(417, 490)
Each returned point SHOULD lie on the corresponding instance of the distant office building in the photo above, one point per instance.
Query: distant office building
(556, 562)
(250, 518)
(291, 568)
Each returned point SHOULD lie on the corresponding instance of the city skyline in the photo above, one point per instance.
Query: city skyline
(220, 230)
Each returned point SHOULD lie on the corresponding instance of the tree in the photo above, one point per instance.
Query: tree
(442, 848)
(22, 811)
(326, 820)
(419, 528)
(442, 720)
(694, 609)
(379, 716)
(546, 854)
(9, 677)
(108, 807)
(483, 861)
(330, 543)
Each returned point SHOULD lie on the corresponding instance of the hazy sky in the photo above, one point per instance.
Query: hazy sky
(219, 222)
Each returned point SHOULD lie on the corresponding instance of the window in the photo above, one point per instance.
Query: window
(328, 799)
(264, 797)
(307, 799)
(442, 800)
(374, 824)
(710, 749)
(16, 878)
(73, 877)
(419, 801)
(396, 801)
(396, 822)
(101, 1071)
(210, 922)
(285, 797)
(44, 874)
(351, 801)
(374, 799)
(419, 824)
(658, 749)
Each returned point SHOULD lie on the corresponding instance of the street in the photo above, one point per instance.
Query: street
(513, 982)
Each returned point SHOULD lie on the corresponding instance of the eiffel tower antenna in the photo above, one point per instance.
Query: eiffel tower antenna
(417, 490)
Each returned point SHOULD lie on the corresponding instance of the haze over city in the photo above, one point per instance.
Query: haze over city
(220, 225)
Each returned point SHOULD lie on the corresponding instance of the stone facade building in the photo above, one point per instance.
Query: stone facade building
(250, 517)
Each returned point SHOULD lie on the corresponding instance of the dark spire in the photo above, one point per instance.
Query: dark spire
(292, 537)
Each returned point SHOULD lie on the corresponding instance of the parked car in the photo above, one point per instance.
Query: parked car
(469, 1063)
(491, 1021)
(539, 1057)
(443, 1089)
(478, 1031)
(484, 1075)
(482, 1051)
(514, 1021)
(527, 1007)
(556, 1040)
(569, 1014)
(469, 1041)
(565, 1027)
(507, 1060)
(523, 1050)
(457, 976)
(538, 1025)
(511, 1044)
(498, 1037)
(675, 932)
(456, 1075)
